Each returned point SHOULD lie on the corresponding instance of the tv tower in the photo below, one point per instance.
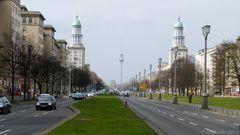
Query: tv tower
(121, 61)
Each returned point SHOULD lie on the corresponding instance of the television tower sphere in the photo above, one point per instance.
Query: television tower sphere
(121, 58)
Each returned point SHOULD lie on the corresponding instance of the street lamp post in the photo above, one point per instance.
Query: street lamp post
(205, 32)
(159, 74)
(139, 80)
(150, 77)
(175, 51)
(137, 83)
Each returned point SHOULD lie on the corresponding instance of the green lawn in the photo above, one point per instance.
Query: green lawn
(224, 102)
(103, 115)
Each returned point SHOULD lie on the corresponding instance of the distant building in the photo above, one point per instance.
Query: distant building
(178, 41)
(76, 48)
(63, 52)
(33, 29)
(49, 40)
(10, 29)
(10, 21)
(199, 62)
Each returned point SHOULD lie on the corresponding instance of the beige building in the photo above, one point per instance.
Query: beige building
(32, 29)
(10, 20)
(63, 53)
(49, 40)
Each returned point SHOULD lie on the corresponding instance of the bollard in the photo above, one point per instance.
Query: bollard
(175, 99)
(160, 96)
(126, 103)
(151, 96)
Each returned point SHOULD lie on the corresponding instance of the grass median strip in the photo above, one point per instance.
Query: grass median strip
(223, 102)
(103, 115)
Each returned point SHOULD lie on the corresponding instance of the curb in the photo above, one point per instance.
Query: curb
(46, 131)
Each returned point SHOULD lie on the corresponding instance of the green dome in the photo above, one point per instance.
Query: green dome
(76, 22)
(178, 24)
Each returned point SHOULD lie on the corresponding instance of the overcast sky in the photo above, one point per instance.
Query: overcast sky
(142, 29)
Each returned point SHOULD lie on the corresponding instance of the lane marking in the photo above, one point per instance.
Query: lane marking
(193, 123)
(164, 112)
(171, 116)
(13, 113)
(23, 110)
(159, 110)
(220, 120)
(210, 130)
(35, 115)
(180, 119)
(44, 113)
(186, 111)
(5, 131)
(236, 124)
(2, 120)
(194, 114)
(205, 116)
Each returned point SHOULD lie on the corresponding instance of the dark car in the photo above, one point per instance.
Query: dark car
(46, 102)
(78, 96)
(5, 105)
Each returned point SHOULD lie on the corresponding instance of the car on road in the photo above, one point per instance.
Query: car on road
(46, 102)
(78, 96)
(5, 105)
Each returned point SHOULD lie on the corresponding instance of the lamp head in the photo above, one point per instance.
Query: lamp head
(206, 29)
(160, 60)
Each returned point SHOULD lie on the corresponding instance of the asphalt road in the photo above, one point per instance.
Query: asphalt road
(25, 120)
(169, 119)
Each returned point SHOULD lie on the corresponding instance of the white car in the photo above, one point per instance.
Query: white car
(90, 94)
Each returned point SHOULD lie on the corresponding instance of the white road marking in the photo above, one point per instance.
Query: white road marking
(159, 110)
(186, 111)
(205, 116)
(13, 113)
(5, 131)
(23, 110)
(164, 112)
(35, 115)
(212, 131)
(180, 119)
(44, 113)
(220, 120)
(2, 120)
(171, 116)
(236, 124)
(193, 123)
(194, 114)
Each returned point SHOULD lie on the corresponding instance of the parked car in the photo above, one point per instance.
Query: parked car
(46, 102)
(5, 105)
(90, 94)
(70, 95)
(78, 96)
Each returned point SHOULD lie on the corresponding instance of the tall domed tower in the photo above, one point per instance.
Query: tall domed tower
(178, 43)
(76, 48)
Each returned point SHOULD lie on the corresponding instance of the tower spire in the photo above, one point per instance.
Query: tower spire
(121, 62)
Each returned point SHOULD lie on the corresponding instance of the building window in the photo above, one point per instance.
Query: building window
(24, 28)
(24, 20)
(30, 20)
(35, 21)
(24, 38)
